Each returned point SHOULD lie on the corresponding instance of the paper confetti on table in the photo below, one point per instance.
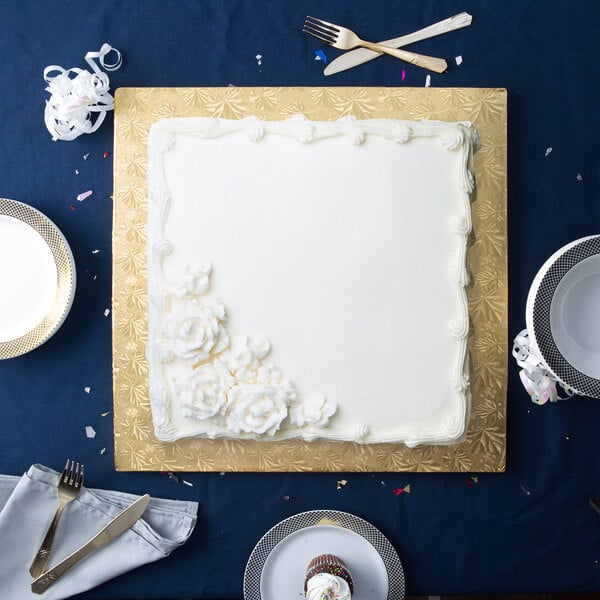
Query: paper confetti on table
(259, 59)
(579, 177)
(403, 74)
(471, 480)
(95, 251)
(428, 81)
(105, 414)
(85, 156)
(286, 498)
(548, 150)
(103, 451)
(106, 154)
(320, 55)
(458, 59)
(76, 171)
(90, 432)
(341, 483)
(402, 490)
(172, 476)
(525, 490)
(81, 197)
(87, 389)
(187, 483)
(107, 312)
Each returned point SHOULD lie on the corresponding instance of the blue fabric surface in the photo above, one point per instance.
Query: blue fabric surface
(529, 529)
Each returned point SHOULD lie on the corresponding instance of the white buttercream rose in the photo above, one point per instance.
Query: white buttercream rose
(204, 393)
(314, 410)
(244, 356)
(193, 282)
(258, 408)
(196, 331)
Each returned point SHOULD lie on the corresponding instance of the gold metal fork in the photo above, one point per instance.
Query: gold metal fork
(69, 486)
(345, 39)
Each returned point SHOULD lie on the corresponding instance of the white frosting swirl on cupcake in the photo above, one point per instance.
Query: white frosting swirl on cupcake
(327, 587)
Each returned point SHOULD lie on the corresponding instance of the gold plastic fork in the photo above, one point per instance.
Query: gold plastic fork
(69, 486)
(345, 39)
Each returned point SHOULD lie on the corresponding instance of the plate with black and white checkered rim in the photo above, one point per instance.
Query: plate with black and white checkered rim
(277, 566)
(562, 315)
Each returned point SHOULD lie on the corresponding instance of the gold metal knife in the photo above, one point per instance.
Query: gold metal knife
(123, 521)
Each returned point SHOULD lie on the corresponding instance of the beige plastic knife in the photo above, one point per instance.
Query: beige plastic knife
(362, 55)
(123, 521)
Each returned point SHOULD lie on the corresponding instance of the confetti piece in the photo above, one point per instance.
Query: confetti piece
(428, 81)
(286, 498)
(95, 251)
(95, 277)
(173, 476)
(81, 197)
(259, 59)
(105, 414)
(579, 177)
(548, 150)
(107, 312)
(85, 156)
(187, 483)
(525, 490)
(76, 171)
(458, 60)
(87, 389)
(471, 480)
(475, 479)
(403, 490)
(383, 483)
(106, 154)
(403, 74)
(320, 55)
(103, 451)
(341, 483)
(72, 207)
(90, 432)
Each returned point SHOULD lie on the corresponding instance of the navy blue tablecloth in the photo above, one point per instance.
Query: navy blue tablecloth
(526, 530)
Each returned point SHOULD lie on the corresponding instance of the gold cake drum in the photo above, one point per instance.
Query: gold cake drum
(136, 448)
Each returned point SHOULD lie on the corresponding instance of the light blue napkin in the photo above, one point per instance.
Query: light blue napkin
(27, 506)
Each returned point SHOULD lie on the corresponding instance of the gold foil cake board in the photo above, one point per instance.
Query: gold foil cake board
(136, 448)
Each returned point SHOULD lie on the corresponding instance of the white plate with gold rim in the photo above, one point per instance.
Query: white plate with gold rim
(277, 565)
(37, 278)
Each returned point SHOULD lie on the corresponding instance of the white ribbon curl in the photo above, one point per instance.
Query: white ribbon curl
(76, 95)
(535, 377)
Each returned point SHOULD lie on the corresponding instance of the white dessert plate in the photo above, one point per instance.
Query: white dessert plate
(277, 565)
(37, 278)
(562, 315)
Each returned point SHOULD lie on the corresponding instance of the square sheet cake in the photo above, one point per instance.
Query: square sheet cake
(309, 279)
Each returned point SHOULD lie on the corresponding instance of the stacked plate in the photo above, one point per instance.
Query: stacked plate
(37, 278)
(563, 315)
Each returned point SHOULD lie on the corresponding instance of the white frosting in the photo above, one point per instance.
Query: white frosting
(308, 279)
(327, 587)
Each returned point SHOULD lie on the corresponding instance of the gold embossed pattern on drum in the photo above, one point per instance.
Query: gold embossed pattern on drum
(136, 448)
(65, 278)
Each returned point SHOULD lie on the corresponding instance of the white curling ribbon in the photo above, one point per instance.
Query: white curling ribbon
(76, 94)
(535, 377)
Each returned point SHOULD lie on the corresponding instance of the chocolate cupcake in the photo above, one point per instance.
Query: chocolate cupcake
(329, 564)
